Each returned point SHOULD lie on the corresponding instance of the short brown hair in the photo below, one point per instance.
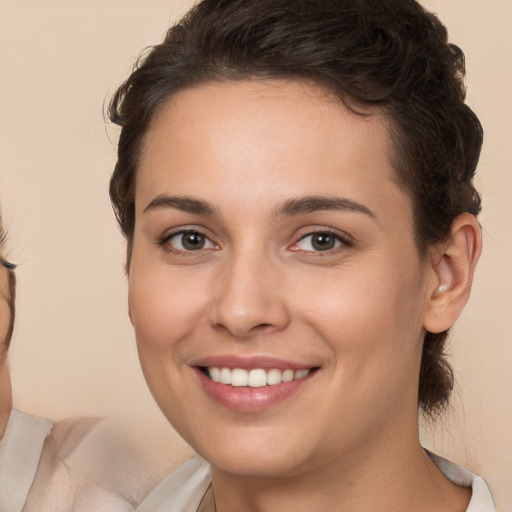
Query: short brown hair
(388, 54)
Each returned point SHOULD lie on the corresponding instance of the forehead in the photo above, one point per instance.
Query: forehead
(296, 106)
(276, 138)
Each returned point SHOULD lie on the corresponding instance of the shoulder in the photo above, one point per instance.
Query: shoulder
(101, 464)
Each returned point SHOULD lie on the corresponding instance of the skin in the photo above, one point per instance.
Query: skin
(348, 439)
(5, 380)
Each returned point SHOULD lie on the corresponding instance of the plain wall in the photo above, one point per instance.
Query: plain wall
(73, 351)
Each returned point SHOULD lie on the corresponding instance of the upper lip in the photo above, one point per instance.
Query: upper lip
(249, 363)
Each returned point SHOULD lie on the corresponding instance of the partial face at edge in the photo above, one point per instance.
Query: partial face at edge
(5, 311)
(271, 234)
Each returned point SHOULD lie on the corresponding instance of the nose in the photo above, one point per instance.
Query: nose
(250, 298)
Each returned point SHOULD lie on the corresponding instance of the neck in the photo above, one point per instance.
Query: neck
(394, 476)
(5, 395)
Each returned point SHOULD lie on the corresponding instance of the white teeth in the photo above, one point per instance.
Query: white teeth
(288, 375)
(256, 378)
(215, 374)
(225, 376)
(239, 377)
(274, 376)
(300, 374)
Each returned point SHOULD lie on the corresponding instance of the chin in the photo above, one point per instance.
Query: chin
(256, 454)
(253, 465)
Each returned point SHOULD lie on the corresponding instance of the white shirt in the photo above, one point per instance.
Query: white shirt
(20, 452)
(78, 464)
(183, 489)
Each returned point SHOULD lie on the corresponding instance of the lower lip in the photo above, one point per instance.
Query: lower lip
(247, 399)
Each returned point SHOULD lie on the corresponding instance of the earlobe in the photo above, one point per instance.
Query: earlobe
(453, 271)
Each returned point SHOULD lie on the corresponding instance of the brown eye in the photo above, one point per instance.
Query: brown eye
(323, 241)
(318, 242)
(192, 241)
(189, 241)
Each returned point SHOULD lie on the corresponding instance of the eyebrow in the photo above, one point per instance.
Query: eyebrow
(290, 208)
(312, 204)
(185, 204)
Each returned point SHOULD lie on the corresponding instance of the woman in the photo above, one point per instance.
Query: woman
(294, 181)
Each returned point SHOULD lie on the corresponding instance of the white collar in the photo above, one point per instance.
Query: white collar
(182, 490)
(481, 499)
(20, 451)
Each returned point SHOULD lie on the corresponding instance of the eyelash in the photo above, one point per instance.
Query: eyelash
(340, 241)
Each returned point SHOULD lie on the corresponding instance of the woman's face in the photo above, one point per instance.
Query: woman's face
(272, 242)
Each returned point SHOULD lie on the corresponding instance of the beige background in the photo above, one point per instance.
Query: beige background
(73, 351)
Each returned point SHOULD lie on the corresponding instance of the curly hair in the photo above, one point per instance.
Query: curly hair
(387, 54)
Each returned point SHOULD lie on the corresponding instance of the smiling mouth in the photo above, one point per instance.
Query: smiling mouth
(256, 378)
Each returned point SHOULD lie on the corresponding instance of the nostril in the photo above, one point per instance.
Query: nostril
(262, 327)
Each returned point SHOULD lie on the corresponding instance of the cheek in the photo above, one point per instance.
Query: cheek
(164, 308)
(374, 332)
(371, 319)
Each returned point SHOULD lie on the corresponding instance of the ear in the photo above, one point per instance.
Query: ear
(453, 268)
